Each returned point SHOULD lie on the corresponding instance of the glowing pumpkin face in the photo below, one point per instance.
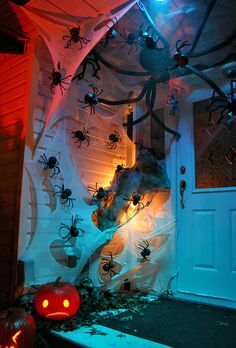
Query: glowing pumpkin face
(57, 301)
(17, 329)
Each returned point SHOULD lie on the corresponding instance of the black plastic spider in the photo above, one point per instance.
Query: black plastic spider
(111, 34)
(180, 59)
(65, 195)
(223, 103)
(91, 98)
(114, 138)
(108, 265)
(100, 194)
(51, 163)
(149, 38)
(119, 168)
(130, 39)
(75, 37)
(81, 136)
(74, 231)
(145, 251)
(135, 199)
(92, 59)
(57, 80)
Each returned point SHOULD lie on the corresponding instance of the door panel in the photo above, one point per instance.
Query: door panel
(207, 223)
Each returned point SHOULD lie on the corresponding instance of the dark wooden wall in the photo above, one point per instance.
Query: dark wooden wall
(15, 79)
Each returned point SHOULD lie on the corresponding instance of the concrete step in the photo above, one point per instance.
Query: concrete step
(98, 336)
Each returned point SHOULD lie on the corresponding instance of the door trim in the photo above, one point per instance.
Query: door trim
(208, 300)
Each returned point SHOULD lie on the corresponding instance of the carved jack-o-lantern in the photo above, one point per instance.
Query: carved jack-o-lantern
(57, 301)
(17, 329)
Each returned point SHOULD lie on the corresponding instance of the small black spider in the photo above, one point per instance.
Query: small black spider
(51, 163)
(225, 103)
(57, 80)
(145, 251)
(75, 37)
(114, 138)
(100, 194)
(81, 136)
(147, 37)
(111, 34)
(108, 265)
(135, 199)
(74, 231)
(91, 98)
(130, 40)
(65, 195)
(119, 168)
(180, 59)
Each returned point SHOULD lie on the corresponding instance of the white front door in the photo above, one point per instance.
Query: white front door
(206, 231)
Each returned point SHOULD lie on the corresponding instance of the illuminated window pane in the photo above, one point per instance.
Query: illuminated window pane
(215, 148)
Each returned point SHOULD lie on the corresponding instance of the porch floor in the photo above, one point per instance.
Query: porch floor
(180, 324)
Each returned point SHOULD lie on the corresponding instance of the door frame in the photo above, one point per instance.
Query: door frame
(199, 90)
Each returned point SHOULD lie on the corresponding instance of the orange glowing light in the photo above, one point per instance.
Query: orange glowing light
(57, 313)
(14, 338)
(66, 303)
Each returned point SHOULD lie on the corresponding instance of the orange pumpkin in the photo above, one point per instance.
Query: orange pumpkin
(57, 301)
(17, 329)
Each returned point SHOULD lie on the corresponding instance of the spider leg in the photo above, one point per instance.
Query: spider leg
(84, 39)
(61, 88)
(58, 170)
(221, 116)
(88, 140)
(66, 37)
(52, 88)
(68, 238)
(140, 206)
(67, 45)
(81, 229)
(81, 45)
(140, 260)
(45, 164)
(111, 271)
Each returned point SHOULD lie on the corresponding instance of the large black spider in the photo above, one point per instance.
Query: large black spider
(130, 40)
(56, 78)
(74, 231)
(91, 98)
(74, 37)
(223, 103)
(145, 251)
(92, 59)
(114, 139)
(148, 37)
(100, 193)
(108, 265)
(80, 136)
(111, 34)
(65, 194)
(136, 200)
(51, 163)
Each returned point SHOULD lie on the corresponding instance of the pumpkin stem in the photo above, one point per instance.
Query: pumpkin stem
(57, 281)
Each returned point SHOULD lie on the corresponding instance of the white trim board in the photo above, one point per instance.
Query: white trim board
(211, 301)
(112, 339)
